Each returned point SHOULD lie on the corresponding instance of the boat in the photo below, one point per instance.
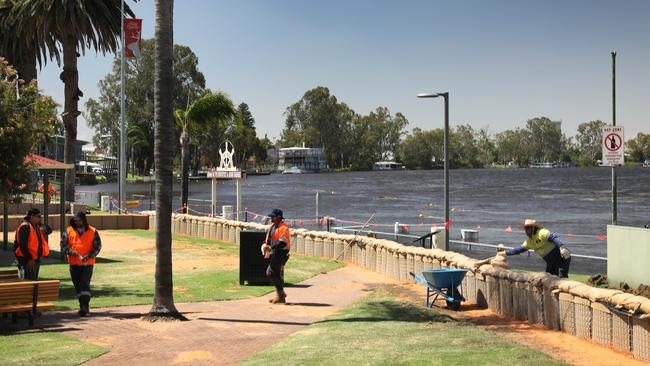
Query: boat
(646, 163)
(388, 165)
(292, 170)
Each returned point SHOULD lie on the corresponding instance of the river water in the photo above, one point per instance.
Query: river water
(575, 202)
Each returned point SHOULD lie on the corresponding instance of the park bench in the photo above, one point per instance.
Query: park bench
(8, 275)
(27, 296)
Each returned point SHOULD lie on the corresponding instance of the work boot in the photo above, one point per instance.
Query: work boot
(280, 298)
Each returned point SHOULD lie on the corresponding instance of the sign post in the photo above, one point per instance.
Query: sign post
(226, 170)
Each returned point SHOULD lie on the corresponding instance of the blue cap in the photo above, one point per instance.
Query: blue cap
(276, 213)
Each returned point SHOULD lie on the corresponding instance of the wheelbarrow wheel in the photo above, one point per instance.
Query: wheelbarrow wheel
(453, 305)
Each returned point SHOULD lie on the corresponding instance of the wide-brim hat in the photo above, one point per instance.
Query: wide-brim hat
(530, 223)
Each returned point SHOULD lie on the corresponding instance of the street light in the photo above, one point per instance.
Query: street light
(446, 157)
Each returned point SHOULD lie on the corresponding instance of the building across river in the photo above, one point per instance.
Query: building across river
(297, 160)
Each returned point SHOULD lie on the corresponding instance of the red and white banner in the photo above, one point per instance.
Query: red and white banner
(132, 39)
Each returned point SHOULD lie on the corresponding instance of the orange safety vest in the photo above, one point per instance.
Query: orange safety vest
(82, 244)
(32, 243)
(281, 233)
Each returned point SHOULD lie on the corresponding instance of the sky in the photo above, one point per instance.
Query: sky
(502, 62)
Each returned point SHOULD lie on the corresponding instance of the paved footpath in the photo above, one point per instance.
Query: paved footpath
(219, 332)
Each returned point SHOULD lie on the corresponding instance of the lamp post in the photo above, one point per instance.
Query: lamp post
(445, 95)
(122, 162)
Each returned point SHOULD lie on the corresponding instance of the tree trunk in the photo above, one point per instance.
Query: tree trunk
(185, 168)
(163, 303)
(70, 78)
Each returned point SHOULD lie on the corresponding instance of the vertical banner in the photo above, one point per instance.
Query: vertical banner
(132, 39)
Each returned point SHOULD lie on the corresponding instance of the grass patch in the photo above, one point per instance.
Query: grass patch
(380, 330)
(128, 278)
(46, 348)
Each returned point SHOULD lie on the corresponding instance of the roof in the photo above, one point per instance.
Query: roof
(43, 163)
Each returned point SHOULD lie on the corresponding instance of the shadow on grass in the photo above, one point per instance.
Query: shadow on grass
(255, 321)
(68, 292)
(385, 310)
(54, 258)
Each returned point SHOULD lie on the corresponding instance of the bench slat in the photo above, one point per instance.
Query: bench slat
(15, 308)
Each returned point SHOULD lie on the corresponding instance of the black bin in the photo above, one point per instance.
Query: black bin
(252, 265)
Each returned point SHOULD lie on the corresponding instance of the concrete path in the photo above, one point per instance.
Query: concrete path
(218, 333)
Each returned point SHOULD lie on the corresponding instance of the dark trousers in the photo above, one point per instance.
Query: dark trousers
(556, 265)
(25, 273)
(275, 270)
(81, 276)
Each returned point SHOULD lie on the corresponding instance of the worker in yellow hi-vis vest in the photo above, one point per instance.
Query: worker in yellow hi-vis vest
(547, 245)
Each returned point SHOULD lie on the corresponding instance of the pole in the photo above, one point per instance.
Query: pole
(238, 198)
(317, 215)
(122, 168)
(5, 223)
(446, 170)
(214, 197)
(46, 196)
(62, 215)
(614, 188)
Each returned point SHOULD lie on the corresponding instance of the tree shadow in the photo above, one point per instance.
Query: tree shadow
(255, 321)
(55, 258)
(67, 292)
(313, 304)
(379, 311)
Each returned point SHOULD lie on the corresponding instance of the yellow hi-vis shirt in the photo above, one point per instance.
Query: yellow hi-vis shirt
(539, 243)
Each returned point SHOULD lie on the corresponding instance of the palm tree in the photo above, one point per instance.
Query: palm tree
(209, 108)
(137, 140)
(163, 302)
(18, 49)
(69, 26)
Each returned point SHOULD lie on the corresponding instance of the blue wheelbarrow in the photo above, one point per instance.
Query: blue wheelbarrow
(442, 283)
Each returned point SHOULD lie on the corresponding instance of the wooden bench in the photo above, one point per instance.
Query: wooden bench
(28, 296)
(8, 274)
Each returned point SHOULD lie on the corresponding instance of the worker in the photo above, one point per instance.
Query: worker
(31, 244)
(82, 244)
(50, 190)
(547, 245)
(276, 250)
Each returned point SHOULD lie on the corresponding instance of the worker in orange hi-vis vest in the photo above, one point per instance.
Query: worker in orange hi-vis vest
(50, 190)
(31, 244)
(276, 250)
(82, 244)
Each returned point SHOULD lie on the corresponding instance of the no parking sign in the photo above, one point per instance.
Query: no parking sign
(613, 146)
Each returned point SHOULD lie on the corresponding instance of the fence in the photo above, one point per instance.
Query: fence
(609, 317)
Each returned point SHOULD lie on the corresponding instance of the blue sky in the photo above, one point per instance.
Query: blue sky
(502, 61)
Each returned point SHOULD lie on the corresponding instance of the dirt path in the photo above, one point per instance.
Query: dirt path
(559, 345)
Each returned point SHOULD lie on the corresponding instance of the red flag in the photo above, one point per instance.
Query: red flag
(509, 229)
(132, 39)
(602, 237)
(448, 225)
(300, 222)
(569, 235)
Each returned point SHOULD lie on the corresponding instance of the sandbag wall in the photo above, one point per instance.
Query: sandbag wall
(608, 317)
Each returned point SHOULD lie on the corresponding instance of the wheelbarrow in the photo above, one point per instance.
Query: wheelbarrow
(442, 283)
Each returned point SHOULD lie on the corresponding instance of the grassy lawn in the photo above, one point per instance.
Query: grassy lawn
(382, 331)
(46, 348)
(127, 278)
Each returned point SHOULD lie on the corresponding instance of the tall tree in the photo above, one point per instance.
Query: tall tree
(163, 302)
(27, 118)
(103, 113)
(464, 152)
(639, 147)
(589, 139)
(18, 48)
(243, 135)
(211, 108)
(486, 147)
(66, 26)
(547, 140)
(422, 149)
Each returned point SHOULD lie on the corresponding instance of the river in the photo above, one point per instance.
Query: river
(570, 201)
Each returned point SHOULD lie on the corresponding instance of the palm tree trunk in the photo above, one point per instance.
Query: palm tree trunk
(185, 170)
(163, 303)
(70, 78)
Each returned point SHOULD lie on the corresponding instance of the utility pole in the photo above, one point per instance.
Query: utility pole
(614, 188)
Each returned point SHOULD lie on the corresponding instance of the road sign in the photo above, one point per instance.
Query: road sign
(613, 146)
(225, 174)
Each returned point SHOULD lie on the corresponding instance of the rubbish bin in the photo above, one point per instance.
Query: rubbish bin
(252, 265)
